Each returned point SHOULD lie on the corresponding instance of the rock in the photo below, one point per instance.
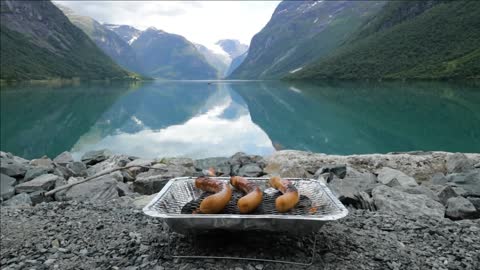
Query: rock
(142, 201)
(458, 163)
(241, 159)
(63, 172)
(155, 179)
(460, 208)
(38, 197)
(347, 189)
(64, 158)
(43, 182)
(7, 187)
(77, 168)
(96, 156)
(469, 181)
(18, 200)
(44, 162)
(139, 162)
(117, 175)
(445, 193)
(123, 189)
(250, 170)
(340, 170)
(104, 188)
(395, 201)
(392, 177)
(12, 168)
(438, 179)
(419, 190)
(221, 165)
(111, 163)
(34, 172)
(476, 202)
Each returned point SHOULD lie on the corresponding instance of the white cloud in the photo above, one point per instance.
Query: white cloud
(202, 22)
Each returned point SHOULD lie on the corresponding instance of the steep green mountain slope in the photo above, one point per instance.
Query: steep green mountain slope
(409, 39)
(168, 56)
(39, 42)
(300, 32)
(236, 62)
(107, 40)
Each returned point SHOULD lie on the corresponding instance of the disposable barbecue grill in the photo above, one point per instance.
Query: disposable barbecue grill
(177, 204)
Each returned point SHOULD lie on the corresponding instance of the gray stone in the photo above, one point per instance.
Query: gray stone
(43, 182)
(395, 201)
(250, 170)
(7, 187)
(469, 181)
(64, 158)
(244, 159)
(34, 172)
(44, 162)
(18, 200)
(419, 190)
(63, 172)
(104, 188)
(117, 175)
(96, 156)
(77, 168)
(438, 179)
(348, 188)
(460, 208)
(475, 201)
(111, 163)
(458, 163)
(155, 179)
(139, 162)
(445, 193)
(340, 170)
(221, 165)
(38, 197)
(12, 168)
(392, 177)
(141, 201)
(123, 189)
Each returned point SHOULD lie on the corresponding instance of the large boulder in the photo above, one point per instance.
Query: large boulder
(339, 170)
(155, 179)
(221, 165)
(253, 164)
(77, 168)
(348, 189)
(96, 156)
(43, 182)
(19, 200)
(36, 171)
(458, 162)
(419, 190)
(108, 164)
(445, 193)
(7, 187)
(460, 208)
(395, 201)
(64, 158)
(469, 181)
(392, 177)
(42, 162)
(11, 167)
(139, 162)
(104, 188)
(250, 170)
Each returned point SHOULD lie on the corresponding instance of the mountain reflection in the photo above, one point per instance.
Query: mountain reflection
(177, 119)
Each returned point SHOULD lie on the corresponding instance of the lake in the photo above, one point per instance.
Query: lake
(206, 119)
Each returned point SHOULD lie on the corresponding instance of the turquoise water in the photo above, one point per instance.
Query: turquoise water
(205, 119)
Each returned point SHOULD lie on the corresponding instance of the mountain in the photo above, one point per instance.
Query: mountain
(409, 40)
(126, 32)
(106, 39)
(39, 42)
(236, 62)
(300, 32)
(169, 56)
(232, 47)
(220, 61)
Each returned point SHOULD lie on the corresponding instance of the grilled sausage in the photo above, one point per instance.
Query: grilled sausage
(253, 197)
(290, 195)
(215, 203)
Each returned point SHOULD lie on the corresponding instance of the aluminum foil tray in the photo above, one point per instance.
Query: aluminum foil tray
(177, 201)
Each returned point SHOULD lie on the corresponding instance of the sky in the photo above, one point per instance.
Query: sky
(203, 22)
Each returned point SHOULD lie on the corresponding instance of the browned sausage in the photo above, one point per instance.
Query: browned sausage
(290, 195)
(215, 203)
(253, 197)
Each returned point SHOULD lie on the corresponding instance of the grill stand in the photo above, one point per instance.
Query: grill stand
(206, 257)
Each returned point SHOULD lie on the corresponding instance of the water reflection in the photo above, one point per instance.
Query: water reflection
(198, 119)
(177, 119)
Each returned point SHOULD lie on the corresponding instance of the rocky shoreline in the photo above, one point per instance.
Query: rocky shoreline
(407, 210)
